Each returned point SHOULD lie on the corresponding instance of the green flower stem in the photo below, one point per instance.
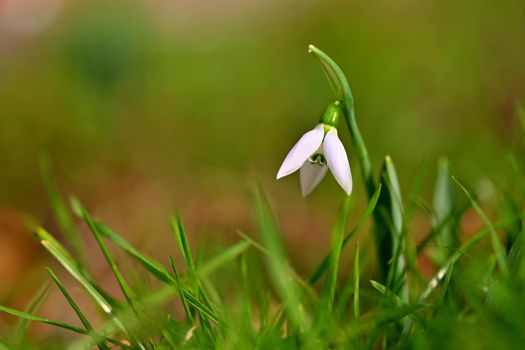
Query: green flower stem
(386, 237)
(343, 92)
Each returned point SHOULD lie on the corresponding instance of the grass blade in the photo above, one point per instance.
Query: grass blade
(30, 317)
(156, 269)
(390, 230)
(124, 287)
(70, 300)
(182, 239)
(60, 210)
(499, 251)
(182, 295)
(77, 310)
(33, 318)
(277, 264)
(56, 249)
(153, 266)
(391, 296)
(323, 266)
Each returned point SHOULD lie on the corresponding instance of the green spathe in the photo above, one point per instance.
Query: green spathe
(332, 114)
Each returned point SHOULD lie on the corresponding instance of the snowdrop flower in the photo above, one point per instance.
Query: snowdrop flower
(317, 151)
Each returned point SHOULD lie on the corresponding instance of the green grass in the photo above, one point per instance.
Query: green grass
(247, 295)
(477, 287)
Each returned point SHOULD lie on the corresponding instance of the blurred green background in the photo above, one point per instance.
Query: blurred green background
(147, 105)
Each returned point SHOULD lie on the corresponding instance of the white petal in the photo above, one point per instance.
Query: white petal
(337, 160)
(310, 175)
(303, 149)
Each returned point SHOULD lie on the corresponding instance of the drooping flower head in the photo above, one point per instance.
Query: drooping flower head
(317, 151)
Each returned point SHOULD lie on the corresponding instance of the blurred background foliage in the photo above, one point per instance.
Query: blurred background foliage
(144, 105)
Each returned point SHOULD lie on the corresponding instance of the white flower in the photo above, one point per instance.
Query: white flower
(317, 151)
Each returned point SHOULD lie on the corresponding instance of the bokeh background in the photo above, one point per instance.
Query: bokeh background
(145, 106)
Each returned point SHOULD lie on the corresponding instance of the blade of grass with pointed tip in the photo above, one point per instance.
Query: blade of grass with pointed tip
(56, 249)
(70, 300)
(204, 310)
(182, 239)
(42, 235)
(409, 244)
(183, 300)
(323, 266)
(154, 267)
(391, 296)
(150, 301)
(60, 210)
(76, 309)
(391, 228)
(177, 227)
(58, 324)
(393, 299)
(277, 265)
(30, 317)
(499, 251)
(390, 179)
(124, 287)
